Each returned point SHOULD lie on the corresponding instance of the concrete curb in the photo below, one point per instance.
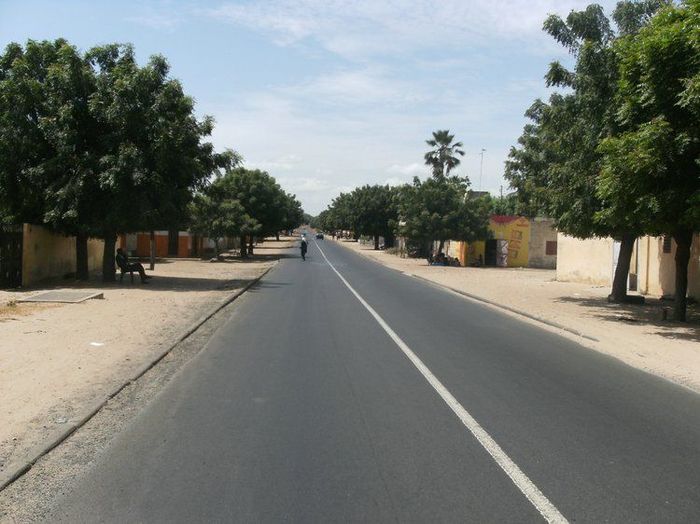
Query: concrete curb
(58, 437)
(486, 301)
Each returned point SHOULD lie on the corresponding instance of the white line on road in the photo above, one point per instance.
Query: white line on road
(522, 482)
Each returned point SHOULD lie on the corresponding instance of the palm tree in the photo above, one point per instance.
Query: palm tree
(443, 156)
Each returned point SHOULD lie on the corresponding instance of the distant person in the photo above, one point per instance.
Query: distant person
(123, 262)
(304, 248)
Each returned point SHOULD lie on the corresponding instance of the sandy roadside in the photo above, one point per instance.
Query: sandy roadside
(634, 334)
(58, 360)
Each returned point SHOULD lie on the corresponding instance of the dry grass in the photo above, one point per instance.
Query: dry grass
(12, 309)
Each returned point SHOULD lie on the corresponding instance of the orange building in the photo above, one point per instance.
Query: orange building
(168, 244)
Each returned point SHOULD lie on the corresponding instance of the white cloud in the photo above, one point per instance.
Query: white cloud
(316, 154)
(357, 86)
(307, 184)
(161, 16)
(364, 28)
(402, 68)
(409, 170)
(282, 163)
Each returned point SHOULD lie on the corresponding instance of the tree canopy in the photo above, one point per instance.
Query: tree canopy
(651, 172)
(444, 155)
(266, 207)
(94, 145)
(558, 162)
(440, 209)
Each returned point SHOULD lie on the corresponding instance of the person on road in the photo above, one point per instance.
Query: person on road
(304, 247)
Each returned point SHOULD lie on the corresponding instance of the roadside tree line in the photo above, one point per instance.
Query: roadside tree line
(243, 203)
(92, 144)
(437, 209)
(616, 152)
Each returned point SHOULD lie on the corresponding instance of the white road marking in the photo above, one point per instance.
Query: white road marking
(520, 479)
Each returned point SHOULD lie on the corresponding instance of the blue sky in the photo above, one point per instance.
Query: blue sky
(325, 94)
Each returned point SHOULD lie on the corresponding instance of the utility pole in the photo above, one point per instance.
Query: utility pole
(481, 167)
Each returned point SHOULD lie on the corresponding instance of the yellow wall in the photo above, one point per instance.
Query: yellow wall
(49, 255)
(473, 251)
(517, 233)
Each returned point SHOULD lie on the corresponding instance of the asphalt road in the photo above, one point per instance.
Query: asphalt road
(398, 402)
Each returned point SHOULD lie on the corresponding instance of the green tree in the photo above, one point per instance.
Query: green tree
(45, 120)
(311, 220)
(261, 197)
(293, 214)
(152, 154)
(24, 147)
(651, 171)
(377, 212)
(217, 217)
(506, 205)
(94, 145)
(444, 155)
(323, 221)
(344, 215)
(558, 162)
(440, 209)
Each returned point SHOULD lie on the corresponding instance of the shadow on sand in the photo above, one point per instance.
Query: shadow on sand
(162, 282)
(647, 314)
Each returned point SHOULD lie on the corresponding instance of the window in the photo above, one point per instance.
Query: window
(667, 244)
(551, 247)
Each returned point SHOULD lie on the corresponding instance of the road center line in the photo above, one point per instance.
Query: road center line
(521, 481)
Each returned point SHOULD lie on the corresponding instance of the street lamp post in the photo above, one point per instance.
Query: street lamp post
(481, 167)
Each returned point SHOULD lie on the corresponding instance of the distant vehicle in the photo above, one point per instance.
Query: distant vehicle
(319, 236)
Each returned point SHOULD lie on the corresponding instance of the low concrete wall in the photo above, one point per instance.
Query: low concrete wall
(587, 261)
(591, 261)
(49, 255)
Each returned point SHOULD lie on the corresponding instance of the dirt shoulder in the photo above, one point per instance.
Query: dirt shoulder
(59, 360)
(634, 334)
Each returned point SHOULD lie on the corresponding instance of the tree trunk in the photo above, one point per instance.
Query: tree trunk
(441, 246)
(216, 248)
(108, 257)
(81, 257)
(244, 252)
(277, 236)
(376, 242)
(153, 251)
(683, 239)
(250, 246)
(619, 286)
